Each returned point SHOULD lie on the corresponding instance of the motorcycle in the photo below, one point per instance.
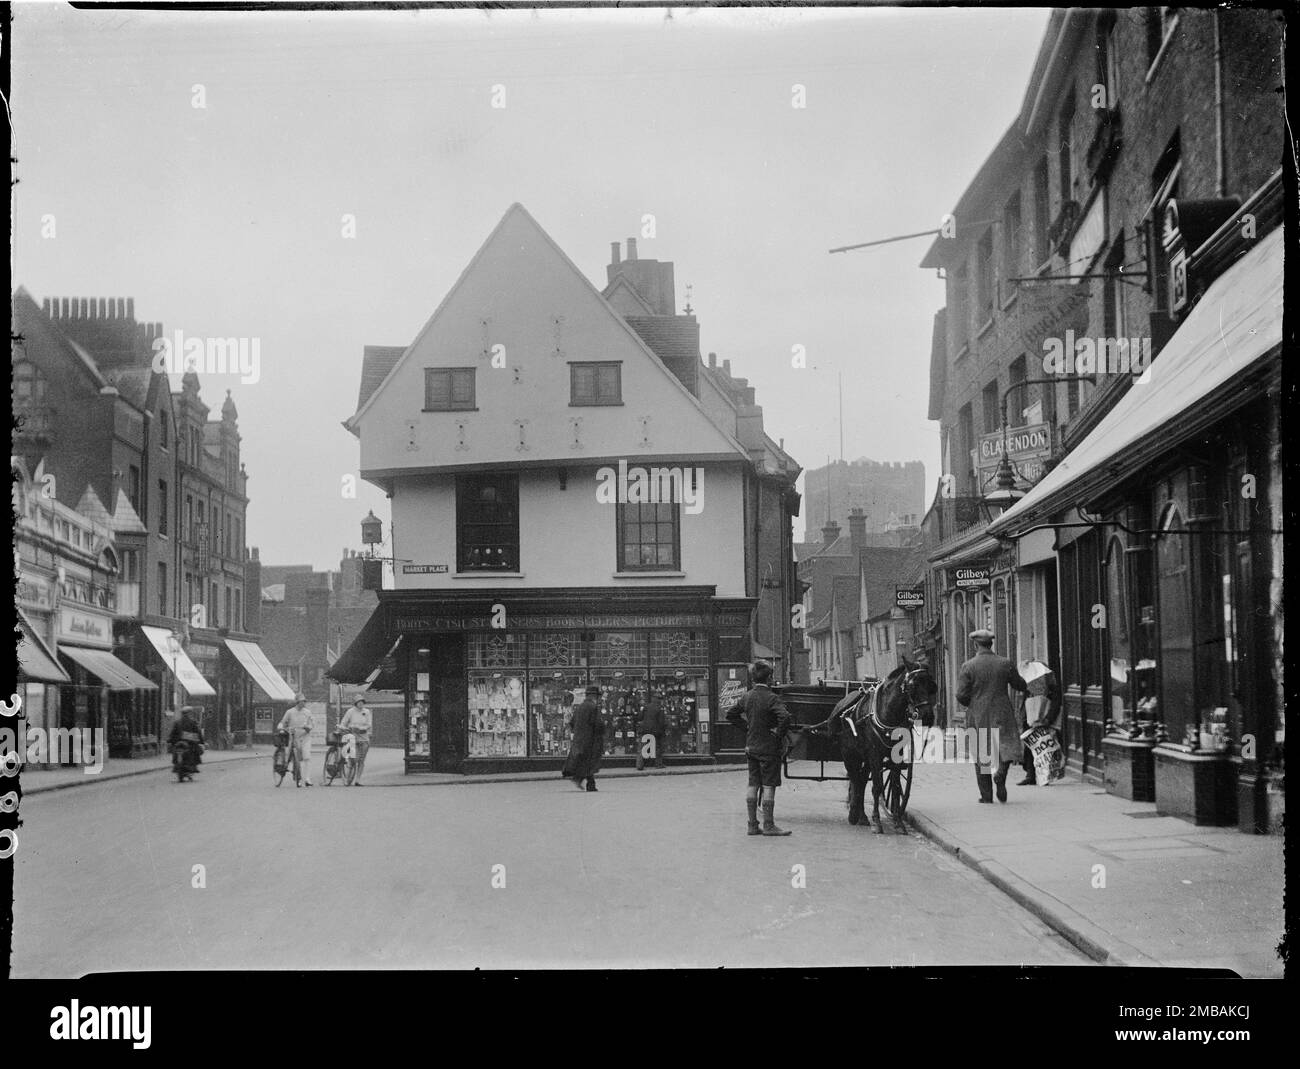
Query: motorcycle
(185, 756)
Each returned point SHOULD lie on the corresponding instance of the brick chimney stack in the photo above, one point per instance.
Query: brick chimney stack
(858, 530)
(830, 532)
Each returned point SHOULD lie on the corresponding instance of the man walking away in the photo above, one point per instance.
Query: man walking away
(588, 743)
(767, 719)
(982, 687)
(651, 726)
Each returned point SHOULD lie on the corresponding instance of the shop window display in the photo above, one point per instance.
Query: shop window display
(418, 729)
(497, 714)
(551, 701)
(682, 694)
(622, 694)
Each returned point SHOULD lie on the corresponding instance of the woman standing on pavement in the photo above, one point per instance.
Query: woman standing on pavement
(359, 721)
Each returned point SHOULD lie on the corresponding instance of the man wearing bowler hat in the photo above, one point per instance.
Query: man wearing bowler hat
(982, 687)
(588, 742)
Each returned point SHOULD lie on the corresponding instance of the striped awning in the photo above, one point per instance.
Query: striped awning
(101, 664)
(263, 674)
(178, 661)
(36, 661)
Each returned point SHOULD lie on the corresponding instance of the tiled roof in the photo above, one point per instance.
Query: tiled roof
(125, 519)
(376, 362)
(132, 383)
(675, 340)
(845, 588)
(885, 567)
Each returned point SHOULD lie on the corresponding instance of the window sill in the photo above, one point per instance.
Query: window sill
(988, 325)
(649, 574)
(595, 404)
(488, 574)
(449, 410)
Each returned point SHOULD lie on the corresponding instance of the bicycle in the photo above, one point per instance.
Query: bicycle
(341, 757)
(286, 758)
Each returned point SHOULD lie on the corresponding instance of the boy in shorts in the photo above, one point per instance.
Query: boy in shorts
(767, 719)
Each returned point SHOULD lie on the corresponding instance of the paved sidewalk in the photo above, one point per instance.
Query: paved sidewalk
(38, 780)
(384, 768)
(1174, 894)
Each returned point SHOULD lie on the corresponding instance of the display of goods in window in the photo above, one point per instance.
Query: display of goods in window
(419, 729)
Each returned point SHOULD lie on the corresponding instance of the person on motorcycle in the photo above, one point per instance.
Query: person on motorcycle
(187, 732)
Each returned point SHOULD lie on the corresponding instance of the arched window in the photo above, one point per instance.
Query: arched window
(1175, 657)
(1118, 610)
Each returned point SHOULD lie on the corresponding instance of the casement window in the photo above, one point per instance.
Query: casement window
(649, 537)
(1017, 400)
(1011, 250)
(133, 491)
(1164, 188)
(162, 590)
(1042, 213)
(163, 436)
(984, 277)
(162, 507)
(596, 383)
(487, 523)
(959, 300)
(992, 409)
(1108, 59)
(448, 389)
(1065, 158)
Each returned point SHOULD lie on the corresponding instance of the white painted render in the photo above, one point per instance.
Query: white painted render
(567, 537)
(521, 293)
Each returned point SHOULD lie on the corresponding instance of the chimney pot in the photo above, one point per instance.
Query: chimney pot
(631, 249)
(130, 308)
(726, 366)
(45, 306)
(103, 308)
(613, 252)
(830, 532)
(713, 360)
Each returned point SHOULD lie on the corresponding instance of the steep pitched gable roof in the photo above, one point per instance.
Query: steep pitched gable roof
(125, 519)
(883, 568)
(376, 362)
(622, 290)
(519, 212)
(29, 320)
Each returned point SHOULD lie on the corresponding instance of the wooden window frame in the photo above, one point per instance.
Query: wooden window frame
(466, 485)
(621, 522)
(452, 404)
(595, 399)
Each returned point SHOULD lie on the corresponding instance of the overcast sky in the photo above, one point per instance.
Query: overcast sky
(226, 220)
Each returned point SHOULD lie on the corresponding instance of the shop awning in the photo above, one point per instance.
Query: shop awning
(264, 676)
(1198, 378)
(108, 669)
(368, 649)
(763, 652)
(178, 662)
(36, 661)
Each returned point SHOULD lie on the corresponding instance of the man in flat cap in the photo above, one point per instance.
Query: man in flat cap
(982, 687)
(588, 742)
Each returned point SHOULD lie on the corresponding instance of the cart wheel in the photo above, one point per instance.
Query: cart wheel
(898, 788)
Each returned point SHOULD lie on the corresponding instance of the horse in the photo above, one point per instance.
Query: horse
(873, 724)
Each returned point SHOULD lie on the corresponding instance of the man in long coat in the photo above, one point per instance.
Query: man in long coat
(982, 687)
(651, 724)
(588, 742)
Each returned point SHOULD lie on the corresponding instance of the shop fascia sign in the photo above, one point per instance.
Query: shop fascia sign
(533, 621)
(80, 628)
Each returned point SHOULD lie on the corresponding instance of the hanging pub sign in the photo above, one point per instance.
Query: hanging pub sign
(909, 598)
(971, 578)
(1028, 448)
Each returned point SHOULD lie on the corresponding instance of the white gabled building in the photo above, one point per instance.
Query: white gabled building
(575, 501)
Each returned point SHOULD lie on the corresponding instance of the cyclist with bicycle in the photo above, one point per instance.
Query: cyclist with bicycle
(299, 722)
(358, 720)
